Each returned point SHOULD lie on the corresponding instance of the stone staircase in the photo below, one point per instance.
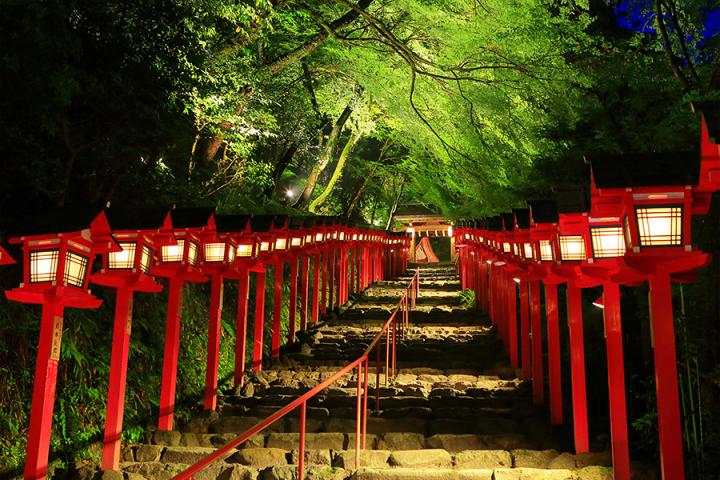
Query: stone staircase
(454, 410)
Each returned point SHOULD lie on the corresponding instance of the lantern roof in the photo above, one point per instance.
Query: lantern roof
(522, 217)
(196, 217)
(494, 223)
(235, 223)
(136, 218)
(710, 112)
(296, 222)
(646, 170)
(543, 211)
(572, 200)
(262, 223)
(508, 220)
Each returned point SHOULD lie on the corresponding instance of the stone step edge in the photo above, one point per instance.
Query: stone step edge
(436, 458)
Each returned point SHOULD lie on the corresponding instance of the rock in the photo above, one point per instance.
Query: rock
(318, 441)
(127, 454)
(201, 424)
(170, 438)
(483, 459)
(220, 440)
(456, 443)
(133, 476)
(462, 378)
(147, 469)
(531, 474)
(186, 455)
(259, 457)
(405, 378)
(368, 458)
(280, 472)
(603, 459)
(533, 458)
(420, 458)
(112, 475)
(236, 424)
(404, 474)
(196, 440)
(475, 474)
(371, 441)
(238, 472)
(325, 473)
(564, 461)
(432, 378)
(505, 441)
(148, 453)
(312, 457)
(401, 441)
(595, 473)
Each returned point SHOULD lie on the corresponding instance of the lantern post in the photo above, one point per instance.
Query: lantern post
(265, 246)
(179, 263)
(239, 230)
(281, 254)
(297, 240)
(317, 251)
(305, 273)
(58, 251)
(127, 271)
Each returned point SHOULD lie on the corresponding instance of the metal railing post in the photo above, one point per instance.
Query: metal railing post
(387, 356)
(358, 415)
(301, 449)
(365, 395)
(377, 378)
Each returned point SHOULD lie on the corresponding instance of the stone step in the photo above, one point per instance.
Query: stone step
(279, 461)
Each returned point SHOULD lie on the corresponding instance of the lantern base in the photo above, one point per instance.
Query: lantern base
(67, 297)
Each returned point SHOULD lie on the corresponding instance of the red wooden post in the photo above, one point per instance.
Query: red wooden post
(170, 356)
(537, 354)
(122, 324)
(277, 309)
(305, 288)
(213, 351)
(259, 321)
(525, 350)
(512, 323)
(554, 372)
(241, 326)
(503, 313)
(324, 293)
(616, 382)
(333, 277)
(577, 368)
(316, 288)
(666, 378)
(352, 257)
(292, 304)
(43, 400)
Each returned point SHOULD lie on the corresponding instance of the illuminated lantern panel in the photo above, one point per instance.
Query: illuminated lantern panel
(244, 251)
(318, 237)
(75, 269)
(264, 246)
(607, 242)
(215, 252)
(124, 259)
(528, 251)
(231, 253)
(43, 265)
(296, 241)
(659, 226)
(308, 239)
(546, 254)
(145, 259)
(506, 247)
(173, 253)
(192, 253)
(572, 247)
(342, 235)
(280, 243)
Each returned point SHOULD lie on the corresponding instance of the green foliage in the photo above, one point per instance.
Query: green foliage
(467, 297)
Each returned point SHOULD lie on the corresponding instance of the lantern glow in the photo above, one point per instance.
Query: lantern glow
(659, 226)
(192, 253)
(528, 251)
(572, 247)
(607, 242)
(173, 253)
(75, 269)
(245, 250)
(124, 259)
(280, 243)
(546, 253)
(215, 252)
(43, 265)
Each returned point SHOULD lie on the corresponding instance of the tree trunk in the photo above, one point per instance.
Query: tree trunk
(352, 141)
(395, 205)
(280, 166)
(304, 198)
(359, 192)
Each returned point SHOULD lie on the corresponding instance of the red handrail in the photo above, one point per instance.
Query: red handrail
(407, 301)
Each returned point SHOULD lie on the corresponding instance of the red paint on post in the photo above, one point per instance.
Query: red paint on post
(277, 310)
(292, 304)
(259, 322)
(512, 323)
(43, 400)
(666, 378)
(323, 288)
(213, 351)
(316, 288)
(241, 327)
(554, 369)
(616, 382)
(122, 324)
(538, 376)
(170, 356)
(333, 275)
(305, 288)
(577, 368)
(525, 354)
